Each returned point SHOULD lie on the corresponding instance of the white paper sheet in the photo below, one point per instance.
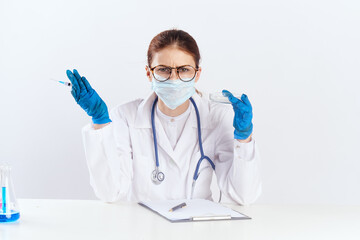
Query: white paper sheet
(194, 208)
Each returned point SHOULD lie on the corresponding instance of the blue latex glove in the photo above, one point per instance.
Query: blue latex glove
(243, 115)
(88, 98)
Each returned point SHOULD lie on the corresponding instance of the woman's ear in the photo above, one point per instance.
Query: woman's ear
(148, 73)
(198, 74)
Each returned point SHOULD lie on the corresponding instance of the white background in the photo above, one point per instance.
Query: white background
(298, 62)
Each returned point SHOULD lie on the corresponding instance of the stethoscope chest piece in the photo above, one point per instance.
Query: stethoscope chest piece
(157, 177)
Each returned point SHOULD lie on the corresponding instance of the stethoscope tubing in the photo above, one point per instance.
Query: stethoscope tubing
(196, 173)
(154, 132)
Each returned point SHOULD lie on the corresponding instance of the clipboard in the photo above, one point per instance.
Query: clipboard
(195, 210)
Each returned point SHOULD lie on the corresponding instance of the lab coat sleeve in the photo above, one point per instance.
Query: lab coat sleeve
(108, 155)
(237, 164)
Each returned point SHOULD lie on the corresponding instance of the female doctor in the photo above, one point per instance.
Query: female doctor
(167, 145)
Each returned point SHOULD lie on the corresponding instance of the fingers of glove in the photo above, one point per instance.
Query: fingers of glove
(81, 84)
(86, 83)
(242, 107)
(231, 97)
(74, 94)
(225, 93)
(74, 82)
(245, 99)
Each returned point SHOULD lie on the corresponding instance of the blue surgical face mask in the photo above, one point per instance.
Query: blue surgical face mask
(174, 92)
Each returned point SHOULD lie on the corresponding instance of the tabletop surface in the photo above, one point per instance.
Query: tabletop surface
(91, 219)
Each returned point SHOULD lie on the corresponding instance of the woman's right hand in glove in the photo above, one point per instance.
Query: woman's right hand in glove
(88, 98)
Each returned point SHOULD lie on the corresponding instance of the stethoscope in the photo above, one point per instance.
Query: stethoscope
(158, 176)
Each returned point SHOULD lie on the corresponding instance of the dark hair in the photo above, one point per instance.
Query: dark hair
(174, 37)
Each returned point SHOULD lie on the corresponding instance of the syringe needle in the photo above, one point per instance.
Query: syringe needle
(62, 82)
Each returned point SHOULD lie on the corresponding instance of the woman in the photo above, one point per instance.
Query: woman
(149, 149)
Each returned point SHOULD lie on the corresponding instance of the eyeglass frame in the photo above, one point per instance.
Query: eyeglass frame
(177, 72)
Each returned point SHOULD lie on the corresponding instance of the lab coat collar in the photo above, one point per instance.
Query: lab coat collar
(143, 115)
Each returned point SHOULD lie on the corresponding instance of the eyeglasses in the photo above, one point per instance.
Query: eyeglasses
(185, 73)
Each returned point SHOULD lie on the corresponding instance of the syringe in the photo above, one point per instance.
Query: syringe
(62, 82)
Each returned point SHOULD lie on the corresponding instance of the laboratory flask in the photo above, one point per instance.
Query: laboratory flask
(9, 209)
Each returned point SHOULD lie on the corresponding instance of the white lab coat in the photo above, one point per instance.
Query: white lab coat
(121, 158)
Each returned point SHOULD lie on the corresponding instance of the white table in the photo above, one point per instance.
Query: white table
(88, 219)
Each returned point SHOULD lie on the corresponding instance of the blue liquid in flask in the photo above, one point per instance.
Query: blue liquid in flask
(13, 217)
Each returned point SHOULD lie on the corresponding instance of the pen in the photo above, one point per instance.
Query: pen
(181, 205)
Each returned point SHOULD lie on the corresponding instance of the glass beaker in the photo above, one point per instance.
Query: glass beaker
(9, 211)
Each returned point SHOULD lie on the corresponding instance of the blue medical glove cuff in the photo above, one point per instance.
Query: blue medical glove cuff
(102, 120)
(244, 134)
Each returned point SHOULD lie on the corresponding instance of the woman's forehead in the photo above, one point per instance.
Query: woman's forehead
(172, 56)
